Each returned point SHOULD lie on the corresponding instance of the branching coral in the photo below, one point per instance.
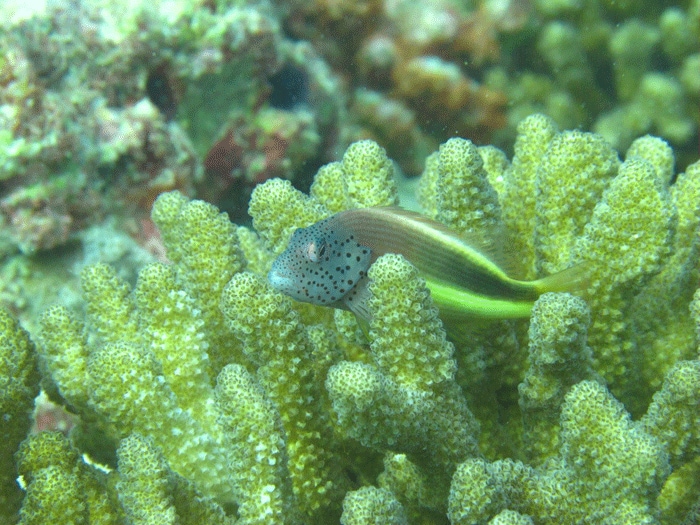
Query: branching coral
(150, 345)
(213, 398)
(406, 399)
(608, 465)
(19, 385)
(285, 369)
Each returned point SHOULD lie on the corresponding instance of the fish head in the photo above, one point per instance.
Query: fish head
(321, 265)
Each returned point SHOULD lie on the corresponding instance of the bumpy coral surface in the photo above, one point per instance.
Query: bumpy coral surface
(213, 98)
(105, 105)
(208, 397)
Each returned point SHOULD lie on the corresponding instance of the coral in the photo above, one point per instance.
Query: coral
(150, 492)
(279, 200)
(455, 190)
(156, 331)
(19, 385)
(415, 68)
(364, 178)
(211, 398)
(607, 464)
(442, 90)
(587, 164)
(556, 219)
(204, 247)
(104, 107)
(100, 114)
(245, 414)
(620, 71)
(395, 125)
(518, 196)
(668, 417)
(61, 486)
(559, 357)
(369, 176)
(634, 216)
(406, 337)
(385, 404)
(510, 517)
(166, 332)
(371, 505)
(657, 106)
(286, 372)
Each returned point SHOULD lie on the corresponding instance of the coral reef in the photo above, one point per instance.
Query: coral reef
(196, 394)
(204, 396)
(101, 113)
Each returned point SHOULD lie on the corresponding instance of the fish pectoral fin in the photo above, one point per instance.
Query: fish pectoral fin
(364, 325)
(357, 301)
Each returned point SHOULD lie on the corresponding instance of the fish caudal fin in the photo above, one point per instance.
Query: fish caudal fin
(574, 279)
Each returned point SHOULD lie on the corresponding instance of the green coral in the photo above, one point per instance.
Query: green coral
(149, 345)
(119, 371)
(670, 416)
(406, 399)
(365, 177)
(203, 245)
(518, 196)
(143, 488)
(372, 506)
(570, 180)
(399, 322)
(61, 486)
(640, 237)
(464, 199)
(287, 374)
(559, 357)
(621, 69)
(149, 492)
(261, 469)
(661, 325)
(369, 176)
(566, 200)
(19, 385)
(212, 398)
(510, 517)
(609, 465)
(657, 152)
(278, 209)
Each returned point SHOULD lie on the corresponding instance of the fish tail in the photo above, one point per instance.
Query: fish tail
(574, 279)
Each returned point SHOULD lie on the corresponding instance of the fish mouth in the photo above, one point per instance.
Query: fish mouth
(278, 280)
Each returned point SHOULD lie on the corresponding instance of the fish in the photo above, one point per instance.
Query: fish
(327, 263)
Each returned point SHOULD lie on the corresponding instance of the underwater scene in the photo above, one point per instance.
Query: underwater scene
(357, 262)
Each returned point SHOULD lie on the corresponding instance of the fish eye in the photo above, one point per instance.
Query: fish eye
(315, 250)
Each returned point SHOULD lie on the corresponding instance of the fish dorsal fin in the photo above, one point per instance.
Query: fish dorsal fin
(492, 241)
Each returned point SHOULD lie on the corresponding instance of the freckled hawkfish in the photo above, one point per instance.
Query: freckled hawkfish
(327, 263)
